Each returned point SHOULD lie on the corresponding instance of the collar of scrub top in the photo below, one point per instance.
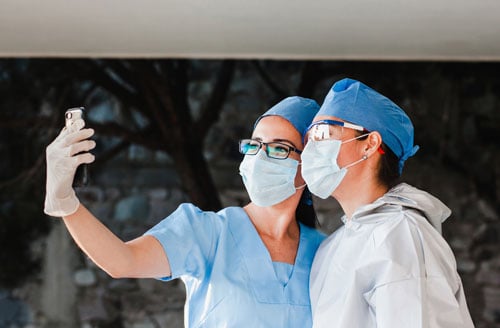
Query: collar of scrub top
(266, 286)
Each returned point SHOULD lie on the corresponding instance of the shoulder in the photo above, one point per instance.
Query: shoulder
(311, 231)
(330, 241)
(188, 214)
(410, 242)
(187, 211)
(192, 211)
(231, 212)
(403, 226)
(312, 234)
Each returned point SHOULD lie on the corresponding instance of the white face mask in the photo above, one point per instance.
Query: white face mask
(320, 169)
(268, 181)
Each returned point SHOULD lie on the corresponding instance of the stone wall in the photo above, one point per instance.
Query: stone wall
(72, 291)
(139, 188)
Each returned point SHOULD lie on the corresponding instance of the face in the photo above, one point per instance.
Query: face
(277, 129)
(349, 151)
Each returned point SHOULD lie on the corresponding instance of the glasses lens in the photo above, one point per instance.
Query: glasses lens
(324, 131)
(277, 150)
(249, 147)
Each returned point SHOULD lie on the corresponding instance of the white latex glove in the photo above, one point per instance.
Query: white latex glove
(60, 198)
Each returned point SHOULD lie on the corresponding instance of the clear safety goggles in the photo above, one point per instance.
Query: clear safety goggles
(276, 150)
(329, 129)
(332, 129)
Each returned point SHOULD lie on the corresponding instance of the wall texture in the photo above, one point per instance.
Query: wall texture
(456, 116)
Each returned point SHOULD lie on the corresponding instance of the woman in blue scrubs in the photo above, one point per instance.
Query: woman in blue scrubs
(242, 266)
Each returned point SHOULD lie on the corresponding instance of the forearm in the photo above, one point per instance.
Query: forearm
(142, 257)
(105, 249)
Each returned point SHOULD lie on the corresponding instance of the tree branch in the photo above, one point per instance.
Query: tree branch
(103, 78)
(210, 112)
(110, 154)
(311, 74)
(27, 175)
(280, 93)
(144, 137)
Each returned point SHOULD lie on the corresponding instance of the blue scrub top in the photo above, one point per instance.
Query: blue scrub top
(230, 278)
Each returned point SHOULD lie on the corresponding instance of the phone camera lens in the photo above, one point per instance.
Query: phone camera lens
(68, 115)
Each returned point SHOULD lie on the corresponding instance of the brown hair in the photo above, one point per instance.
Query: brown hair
(305, 212)
(388, 173)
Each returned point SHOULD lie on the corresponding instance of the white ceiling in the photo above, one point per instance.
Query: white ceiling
(272, 29)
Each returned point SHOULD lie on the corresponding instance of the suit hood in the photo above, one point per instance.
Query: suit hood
(404, 196)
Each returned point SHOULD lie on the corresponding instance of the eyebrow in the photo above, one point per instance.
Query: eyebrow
(279, 140)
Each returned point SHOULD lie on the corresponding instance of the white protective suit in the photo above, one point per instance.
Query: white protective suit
(389, 267)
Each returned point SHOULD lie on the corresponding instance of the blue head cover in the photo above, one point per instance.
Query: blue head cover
(299, 112)
(356, 103)
(296, 110)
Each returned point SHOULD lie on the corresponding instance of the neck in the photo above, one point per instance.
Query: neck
(277, 228)
(277, 221)
(361, 190)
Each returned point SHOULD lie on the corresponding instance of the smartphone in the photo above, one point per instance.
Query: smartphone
(82, 172)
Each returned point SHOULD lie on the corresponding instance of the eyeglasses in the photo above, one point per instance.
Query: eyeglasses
(329, 129)
(276, 150)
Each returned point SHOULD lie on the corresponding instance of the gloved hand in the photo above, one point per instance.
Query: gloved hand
(60, 198)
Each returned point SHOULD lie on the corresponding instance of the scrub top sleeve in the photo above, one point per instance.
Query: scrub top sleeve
(189, 237)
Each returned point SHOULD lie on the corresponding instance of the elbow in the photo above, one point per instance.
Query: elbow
(118, 272)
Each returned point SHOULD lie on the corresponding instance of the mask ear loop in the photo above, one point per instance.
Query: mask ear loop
(364, 158)
(301, 186)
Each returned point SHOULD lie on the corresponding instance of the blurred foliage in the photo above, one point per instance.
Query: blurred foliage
(454, 106)
(21, 224)
(152, 98)
(21, 221)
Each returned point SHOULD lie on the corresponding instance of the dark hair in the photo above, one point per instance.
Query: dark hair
(305, 212)
(388, 173)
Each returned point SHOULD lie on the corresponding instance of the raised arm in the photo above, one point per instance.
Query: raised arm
(141, 257)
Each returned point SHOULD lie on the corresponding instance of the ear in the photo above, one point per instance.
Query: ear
(372, 143)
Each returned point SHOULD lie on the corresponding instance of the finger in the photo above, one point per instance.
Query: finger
(85, 158)
(77, 136)
(82, 146)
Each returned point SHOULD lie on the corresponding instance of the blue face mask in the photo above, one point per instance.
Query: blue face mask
(268, 181)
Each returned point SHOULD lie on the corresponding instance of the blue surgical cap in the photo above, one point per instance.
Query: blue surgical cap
(354, 102)
(298, 111)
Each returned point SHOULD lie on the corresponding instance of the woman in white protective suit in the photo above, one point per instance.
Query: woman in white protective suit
(388, 265)
(242, 266)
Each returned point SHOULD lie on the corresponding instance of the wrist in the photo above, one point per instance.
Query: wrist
(59, 207)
